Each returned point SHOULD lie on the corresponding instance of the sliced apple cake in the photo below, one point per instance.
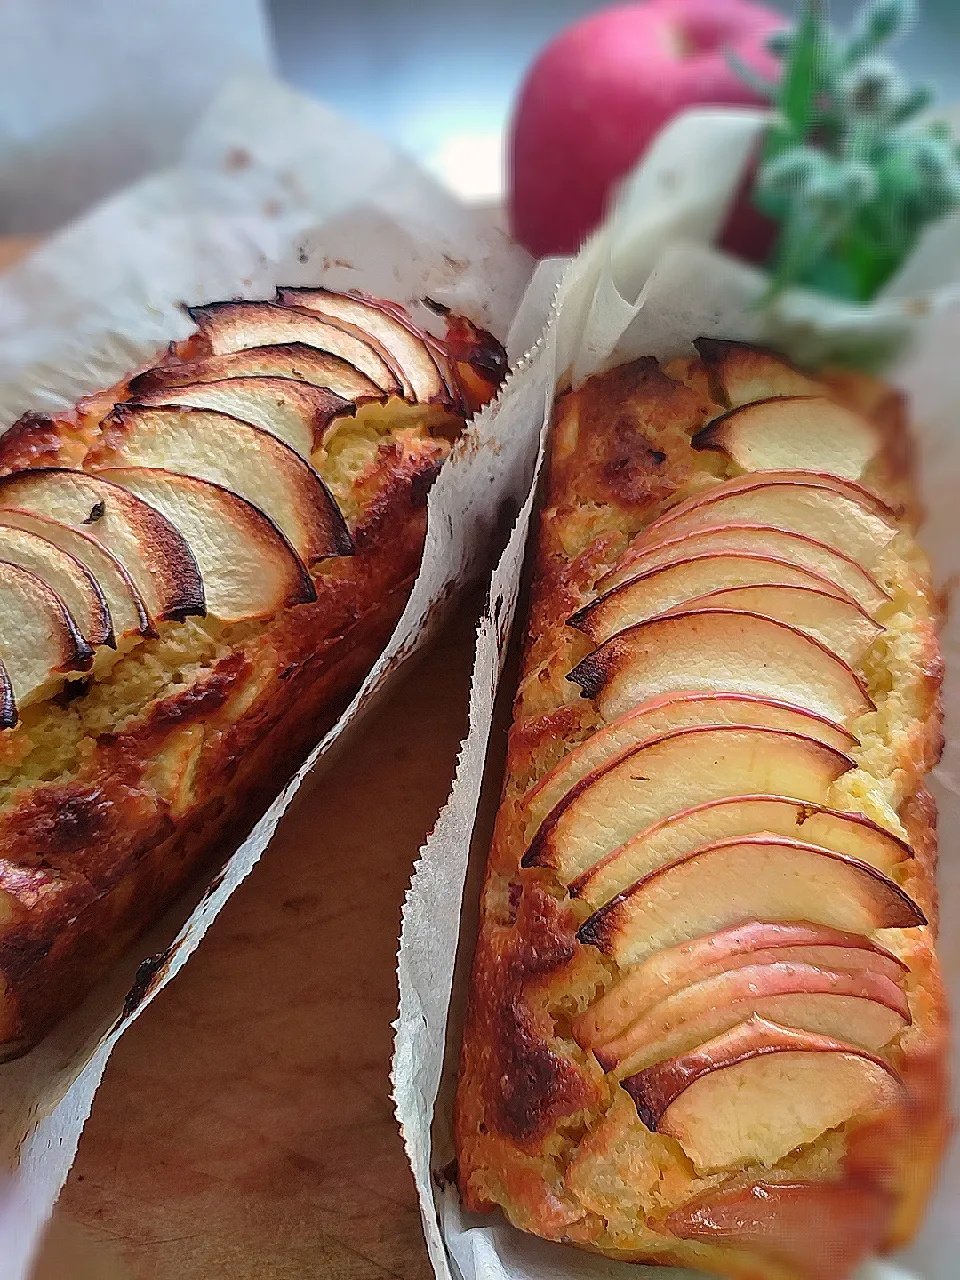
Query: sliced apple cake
(197, 569)
(706, 1025)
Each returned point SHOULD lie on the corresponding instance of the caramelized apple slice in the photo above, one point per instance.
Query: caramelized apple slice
(237, 326)
(724, 1102)
(248, 568)
(864, 1008)
(664, 775)
(143, 540)
(801, 432)
(720, 651)
(128, 615)
(8, 706)
(236, 456)
(756, 877)
(296, 413)
(818, 507)
(820, 1230)
(294, 360)
(837, 622)
(69, 579)
(757, 942)
(655, 591)
(662, 715)
(39, 640)
(755, 539)
(743, 373)
(729, 818)
(410, 357)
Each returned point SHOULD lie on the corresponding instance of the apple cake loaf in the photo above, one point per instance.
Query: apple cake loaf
(197, 569)
(706, 1024)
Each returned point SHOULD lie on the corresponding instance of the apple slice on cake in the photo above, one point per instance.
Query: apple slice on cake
(831, 511)
(653, 591)
(864, 1008)
(774, 1218)
(800, 432)
(754, 539)
(662, 715)
(296, 413)
(291, 360)
(837, 622)
(411, 359)
(128, 615)
(73, 583)
(235, 326)
(248, 568)
(238, 457)
(39, 640)
(742, 374)
(730, 818)
(144, 541)
(758, 877)
(676, 771)
(720, 651)
(755, 942)
(724, 1102)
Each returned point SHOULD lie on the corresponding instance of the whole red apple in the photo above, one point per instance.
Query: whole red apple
(601, 91)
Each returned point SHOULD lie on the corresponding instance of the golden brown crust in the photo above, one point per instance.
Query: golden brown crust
(93, 856)
(541, 1131)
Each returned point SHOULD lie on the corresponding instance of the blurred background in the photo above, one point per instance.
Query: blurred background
(436, 77)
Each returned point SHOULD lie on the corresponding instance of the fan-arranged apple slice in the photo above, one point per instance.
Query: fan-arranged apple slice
(758, 877)
(720, 651)
(294, 360)
(8, 706)
(66, 576)
(743, 373)
(676, 771)
(662, 715)
(147, 544)
(865, 1009)
(235, 326)
(730, 818)
(248, 568)
(820, 1230)
(757, 942)
(759, 540)
(654, 591)
(819, 507)
(840, 624)
(801, 432)
(724, 1102)
(235, 455)
(39, 640)
(414, 363)
(297, 413)
(127, 614)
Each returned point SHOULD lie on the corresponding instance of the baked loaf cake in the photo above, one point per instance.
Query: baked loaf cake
(197, 569)
(706, 1024)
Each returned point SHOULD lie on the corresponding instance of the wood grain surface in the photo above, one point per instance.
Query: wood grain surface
(244, 1130)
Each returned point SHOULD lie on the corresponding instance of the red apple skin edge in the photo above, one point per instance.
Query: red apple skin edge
(596, 97)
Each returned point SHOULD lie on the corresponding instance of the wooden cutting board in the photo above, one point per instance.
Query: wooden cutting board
(244, 1129)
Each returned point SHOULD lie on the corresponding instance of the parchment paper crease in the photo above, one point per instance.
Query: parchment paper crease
(649, 283)
(273, 188)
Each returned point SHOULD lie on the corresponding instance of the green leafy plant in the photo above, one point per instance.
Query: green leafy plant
(847, 170)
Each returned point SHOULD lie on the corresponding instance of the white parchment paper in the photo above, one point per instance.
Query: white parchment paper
(272, 188)
(648, 283)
